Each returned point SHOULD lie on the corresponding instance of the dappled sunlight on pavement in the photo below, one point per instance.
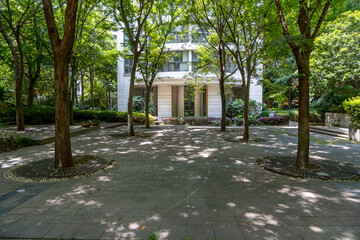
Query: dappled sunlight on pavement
(182, 182)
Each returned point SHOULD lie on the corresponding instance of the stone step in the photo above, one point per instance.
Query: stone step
(329, 132)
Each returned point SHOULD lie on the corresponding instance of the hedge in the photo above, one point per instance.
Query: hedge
(46, 115)
(273, 121)
(196, 121)
(314, 116)
(352, 107)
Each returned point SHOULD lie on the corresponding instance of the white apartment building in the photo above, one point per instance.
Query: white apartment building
(168, 92)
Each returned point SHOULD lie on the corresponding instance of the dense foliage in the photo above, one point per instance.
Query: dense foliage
(335, 63)
(352, 107)
(272, 121)
(46, 115)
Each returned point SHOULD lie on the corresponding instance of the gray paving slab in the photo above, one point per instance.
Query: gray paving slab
(184, 182)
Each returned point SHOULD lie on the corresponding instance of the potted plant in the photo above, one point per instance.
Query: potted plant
(352, 107)
(86, 124)
(95, 122)
(272, 112)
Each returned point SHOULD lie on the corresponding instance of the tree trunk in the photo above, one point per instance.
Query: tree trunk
(62, 50)
(72, 95)
(31, 91)
(19, 74)
(246, 134)
(147, 104)
(20, 125)
(290, 95)
(82, 89)
(63, 156)
(92, 87)
(76, 87)
(302, 61)
(223, 106)
(131, 131)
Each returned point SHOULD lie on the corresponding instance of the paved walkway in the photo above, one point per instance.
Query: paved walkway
(183, 182)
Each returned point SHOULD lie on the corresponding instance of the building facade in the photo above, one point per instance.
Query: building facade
(170, 93)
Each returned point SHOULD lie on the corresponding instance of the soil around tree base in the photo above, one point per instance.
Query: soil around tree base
(43, 170)
(323, 169)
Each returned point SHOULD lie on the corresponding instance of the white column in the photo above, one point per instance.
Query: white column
(164, 101)
(214, 101)
(123, 82)
(181, 100)
(197, 103)
(190, 61)
(256, 88)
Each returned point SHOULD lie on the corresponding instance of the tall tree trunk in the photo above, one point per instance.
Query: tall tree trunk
(76, 87)
(302, 61)
(19, 74)
(290, 95)
(82, 89)
(63, 156)
(62, 50)
(246, 123)
(131, 131)
(20, 125)
(19, 83)
(223, 106)
(72, 94)
(92, 87)
(147, 104)
(31, 90)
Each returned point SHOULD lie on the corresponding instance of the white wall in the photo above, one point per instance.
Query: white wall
(256, 91)
(164, 101)
(214, 101)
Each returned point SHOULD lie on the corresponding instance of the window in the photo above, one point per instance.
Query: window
(198, 36)
(128, 62)
(180, 35)
(195, 61)
(177, 63)
(230, 65)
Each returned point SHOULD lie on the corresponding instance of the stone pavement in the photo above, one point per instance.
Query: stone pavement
(183, 182)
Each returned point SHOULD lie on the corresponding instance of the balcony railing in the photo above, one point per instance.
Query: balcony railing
(176, 67)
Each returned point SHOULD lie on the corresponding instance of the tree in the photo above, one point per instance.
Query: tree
(246, 22)
(163, 21)
(309, 17)
(92, 27)
(335, 63)
(280, 81)
(37, 54)
(62, 50)
(132, 17)
(209, 18)
(12, 21)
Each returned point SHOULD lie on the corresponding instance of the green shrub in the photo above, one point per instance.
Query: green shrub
(86, 115)
(272, 121)
(108, 116)
(46, 115)
(352, 107)
(236, 108)
(39, 115)
(196, 121)
(139, 118)
(12, 141)
(34, 115)
(314, 115)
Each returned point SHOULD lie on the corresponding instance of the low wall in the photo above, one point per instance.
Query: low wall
(337, 120)
(354, 134)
